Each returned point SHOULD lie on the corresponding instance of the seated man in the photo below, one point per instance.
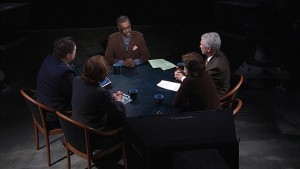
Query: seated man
(54, 80)
(217, 64)
(126, 47)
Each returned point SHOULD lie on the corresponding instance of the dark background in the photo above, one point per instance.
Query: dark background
(268, 123)
(272, 25)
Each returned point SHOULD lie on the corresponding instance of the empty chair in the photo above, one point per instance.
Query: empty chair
(236, 81)
(78, 138)
(38, 112)
(234, 104)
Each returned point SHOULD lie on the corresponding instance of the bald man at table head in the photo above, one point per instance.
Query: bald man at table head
(126, 47)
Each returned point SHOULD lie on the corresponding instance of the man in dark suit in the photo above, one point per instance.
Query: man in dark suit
(126, 47)
(54, 80)
(217, 64)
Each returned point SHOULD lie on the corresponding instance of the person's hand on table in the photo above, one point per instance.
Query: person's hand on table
(118, 96)
(129, 63)
(178, 74)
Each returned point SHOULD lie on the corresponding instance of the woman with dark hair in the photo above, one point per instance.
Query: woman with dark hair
(197, 91)
(92, 104)
(95, 106)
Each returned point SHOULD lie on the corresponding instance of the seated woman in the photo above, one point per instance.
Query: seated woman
(197, 91)
(94, 105)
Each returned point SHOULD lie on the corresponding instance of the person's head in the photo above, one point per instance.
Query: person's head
(95, 70)
(65, 49)
(210, 43)
(124, 25)
(194, 65)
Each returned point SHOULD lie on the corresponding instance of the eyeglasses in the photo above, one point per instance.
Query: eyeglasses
(126, 28)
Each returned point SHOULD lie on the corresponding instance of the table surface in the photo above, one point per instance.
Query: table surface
(145, 79)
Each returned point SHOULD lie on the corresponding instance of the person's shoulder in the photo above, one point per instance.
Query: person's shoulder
(137, 33)
(115, 34)
(188, 80)
(220, 54)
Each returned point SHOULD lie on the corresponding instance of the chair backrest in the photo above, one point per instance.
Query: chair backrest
(37, 109)
(234, 104)
(77, 135)
(236, 80)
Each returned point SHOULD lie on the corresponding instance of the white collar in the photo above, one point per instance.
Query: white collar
(208, 58)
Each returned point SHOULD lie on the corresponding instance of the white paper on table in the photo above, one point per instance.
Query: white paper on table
(161, 63)
(169, 85)
(168, 64)
(157, 63)
(125, 99)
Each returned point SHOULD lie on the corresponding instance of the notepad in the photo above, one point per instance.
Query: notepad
(169, 85)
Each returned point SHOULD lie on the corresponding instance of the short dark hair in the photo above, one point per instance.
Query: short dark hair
(194, 64)
(63, 46)
(122, 19)
(95, 70)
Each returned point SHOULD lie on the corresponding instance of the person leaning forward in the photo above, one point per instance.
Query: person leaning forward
(127, 47)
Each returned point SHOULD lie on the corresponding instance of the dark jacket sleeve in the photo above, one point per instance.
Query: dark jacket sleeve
(179, 98)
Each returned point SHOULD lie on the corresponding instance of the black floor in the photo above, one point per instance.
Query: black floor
(268, 124)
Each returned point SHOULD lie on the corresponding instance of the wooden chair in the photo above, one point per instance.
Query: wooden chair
(38, 112)
(236, 80)
(78, 140)
(234, 104)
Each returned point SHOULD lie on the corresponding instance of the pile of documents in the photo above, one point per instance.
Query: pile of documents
(161, 63)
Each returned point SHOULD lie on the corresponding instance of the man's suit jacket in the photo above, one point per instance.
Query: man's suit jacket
(219, 69)
(54, 84)
(116, 49)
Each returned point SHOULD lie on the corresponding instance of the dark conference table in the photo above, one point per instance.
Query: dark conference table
(151, 137)
(145, 79)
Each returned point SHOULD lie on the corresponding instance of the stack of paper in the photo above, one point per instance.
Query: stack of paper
(161, 63)
(169, 85)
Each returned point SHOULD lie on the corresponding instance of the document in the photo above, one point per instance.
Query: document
(125, 99)
(161, 63)
(169, 85)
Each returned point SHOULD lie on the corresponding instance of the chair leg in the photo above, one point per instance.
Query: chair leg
(68, 157)
(37, 142)
(89, 162)
(48, 150)
(124, 156)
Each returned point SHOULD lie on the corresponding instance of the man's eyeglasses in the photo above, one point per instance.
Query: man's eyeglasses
(124, 29)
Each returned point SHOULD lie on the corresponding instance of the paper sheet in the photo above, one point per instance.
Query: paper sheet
(169, 85)
(161, 63)
(125, 99)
